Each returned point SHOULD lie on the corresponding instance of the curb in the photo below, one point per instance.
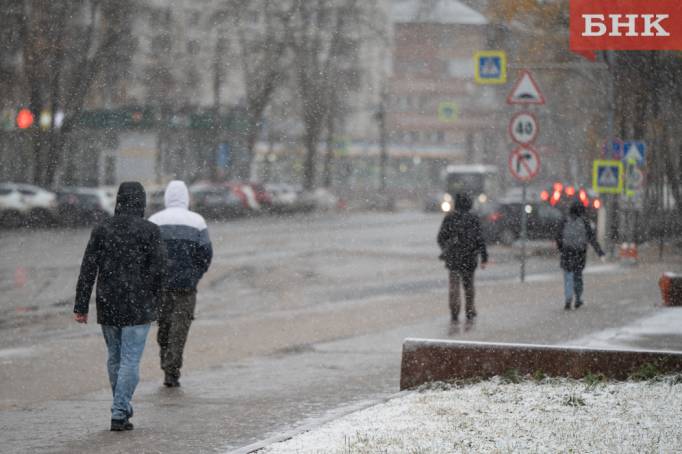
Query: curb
(428, 360)
(318, 422)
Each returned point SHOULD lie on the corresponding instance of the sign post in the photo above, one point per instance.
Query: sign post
(524, 161)
(524, 165)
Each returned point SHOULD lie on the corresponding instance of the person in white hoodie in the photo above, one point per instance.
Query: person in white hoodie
(189, 253)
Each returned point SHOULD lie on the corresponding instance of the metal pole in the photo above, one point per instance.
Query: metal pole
(524, 232)
(383, 143)
(610, 202)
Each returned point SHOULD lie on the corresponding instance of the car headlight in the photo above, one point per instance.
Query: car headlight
(446, 207)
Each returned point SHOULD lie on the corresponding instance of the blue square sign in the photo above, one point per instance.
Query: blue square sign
(491, 67)
(635, 150)
(607, 176)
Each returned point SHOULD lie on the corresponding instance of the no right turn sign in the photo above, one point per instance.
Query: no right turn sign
(524, 163)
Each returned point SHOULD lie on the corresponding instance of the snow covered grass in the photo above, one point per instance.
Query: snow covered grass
(505, 415)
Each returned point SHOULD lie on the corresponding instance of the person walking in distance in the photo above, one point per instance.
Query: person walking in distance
(461, 241)
(126, 257)
(189, 255)
(572, 239)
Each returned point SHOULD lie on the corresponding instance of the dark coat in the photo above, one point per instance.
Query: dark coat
(573, 259)
(461, 240)
(126, 256)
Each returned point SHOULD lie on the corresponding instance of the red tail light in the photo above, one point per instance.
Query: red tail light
(555, 198)
(495, 216)
(570, 191)
(558, 187)
(544, 195)
(596, 203)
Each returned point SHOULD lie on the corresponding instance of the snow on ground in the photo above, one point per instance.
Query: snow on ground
(665, 321)
(553, 415)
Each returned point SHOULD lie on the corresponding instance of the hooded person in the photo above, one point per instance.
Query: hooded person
(461, 242)
(126, 256)
(573, 236)
(189, 251)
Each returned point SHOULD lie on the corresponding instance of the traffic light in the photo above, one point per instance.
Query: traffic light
(24, 118)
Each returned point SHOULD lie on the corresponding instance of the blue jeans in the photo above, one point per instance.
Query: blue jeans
(125, 345)
(573, 281)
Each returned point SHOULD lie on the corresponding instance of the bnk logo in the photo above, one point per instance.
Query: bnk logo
(632, 24)
(625, 25)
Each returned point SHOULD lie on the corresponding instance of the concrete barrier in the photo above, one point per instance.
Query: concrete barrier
(426, 360)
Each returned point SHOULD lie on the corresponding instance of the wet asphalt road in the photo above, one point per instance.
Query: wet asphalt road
(295, 318)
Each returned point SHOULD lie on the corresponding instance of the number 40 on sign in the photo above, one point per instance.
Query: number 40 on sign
(523, 128)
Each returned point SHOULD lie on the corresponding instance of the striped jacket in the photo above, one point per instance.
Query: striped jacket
(185, 234)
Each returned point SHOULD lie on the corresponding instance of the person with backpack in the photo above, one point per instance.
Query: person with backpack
(189, 251)
(461, 241)
(573, 236)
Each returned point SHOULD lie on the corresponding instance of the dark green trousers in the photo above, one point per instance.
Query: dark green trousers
(175, 317)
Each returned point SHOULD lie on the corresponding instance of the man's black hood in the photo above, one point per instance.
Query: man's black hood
(131, 199)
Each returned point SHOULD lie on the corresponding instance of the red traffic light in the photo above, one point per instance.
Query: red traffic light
(24, 118)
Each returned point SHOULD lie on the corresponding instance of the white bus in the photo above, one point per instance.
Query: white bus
(479, 181)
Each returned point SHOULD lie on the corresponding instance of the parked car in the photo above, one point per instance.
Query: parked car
(501, 221)
(283, 197)
(216, 202)
(84, 206)
(261, 194)
(40, 204)
(13, 210)
(320, 199)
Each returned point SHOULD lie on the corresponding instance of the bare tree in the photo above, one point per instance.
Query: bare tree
(325, 54)
(647, 86)
(63, 48)
(260, 27)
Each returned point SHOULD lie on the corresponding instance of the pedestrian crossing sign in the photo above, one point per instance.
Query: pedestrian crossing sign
(635, 150)
(607, 176)
(490, 67)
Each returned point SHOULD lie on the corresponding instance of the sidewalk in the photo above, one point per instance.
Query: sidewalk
(237, 404)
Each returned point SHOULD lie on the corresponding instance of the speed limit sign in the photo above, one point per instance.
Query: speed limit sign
(523, 128)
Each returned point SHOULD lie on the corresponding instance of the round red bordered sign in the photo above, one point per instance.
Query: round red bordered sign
(524, 163)
(523, 128)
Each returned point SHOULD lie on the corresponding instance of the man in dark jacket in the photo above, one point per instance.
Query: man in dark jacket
(572, 239)
(126, 257)
(461, 241)
(189, 255)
